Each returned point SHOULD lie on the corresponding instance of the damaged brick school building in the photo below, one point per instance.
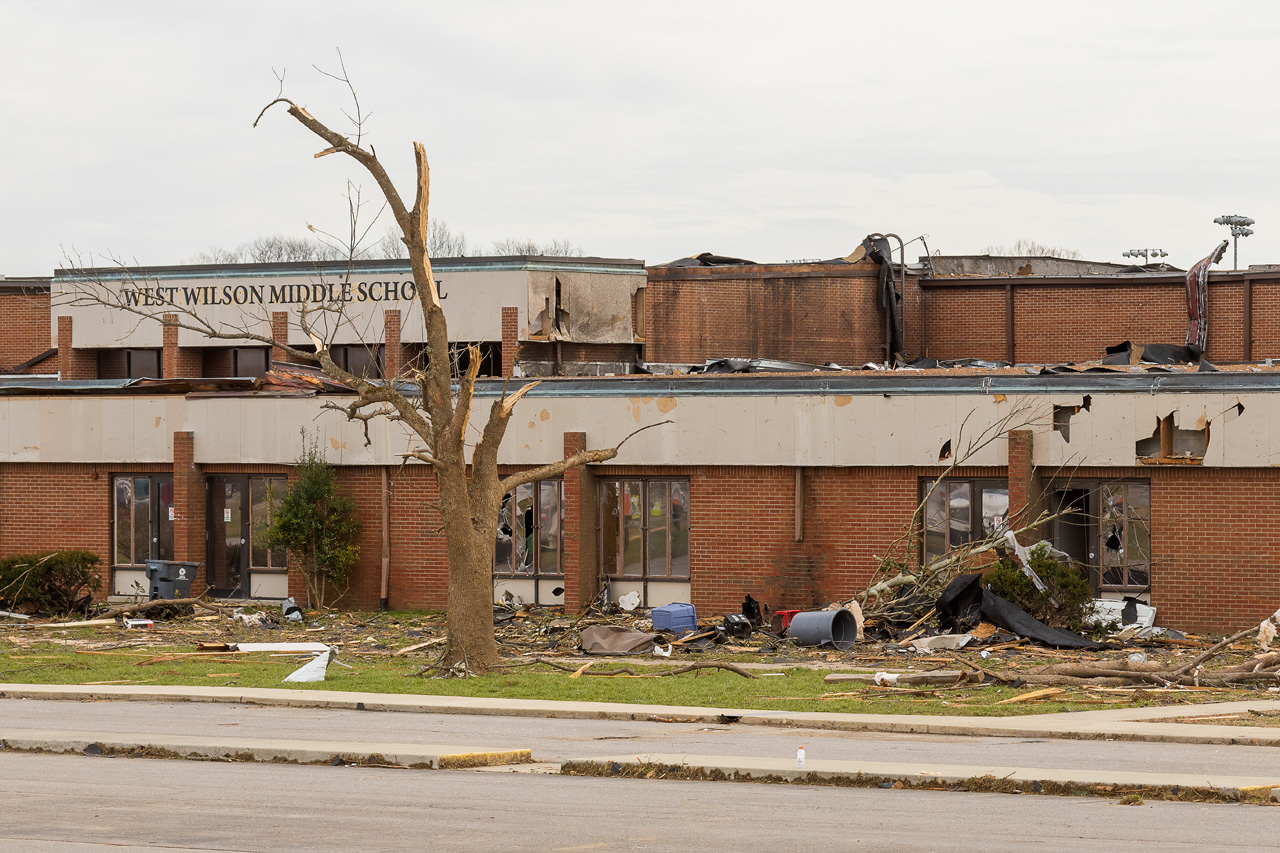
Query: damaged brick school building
(811, 404)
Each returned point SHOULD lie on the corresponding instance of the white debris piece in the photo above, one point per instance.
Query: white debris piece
(942, 641)
(314, 670)
(1267, 631)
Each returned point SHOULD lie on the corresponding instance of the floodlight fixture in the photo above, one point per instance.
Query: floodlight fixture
(1239, 226)
(1145, 254)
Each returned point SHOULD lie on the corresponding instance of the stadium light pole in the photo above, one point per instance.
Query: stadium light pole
(1239, 228)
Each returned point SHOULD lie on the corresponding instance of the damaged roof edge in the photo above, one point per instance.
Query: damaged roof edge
(767, 385)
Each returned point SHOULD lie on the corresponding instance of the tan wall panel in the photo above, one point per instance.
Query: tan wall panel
(743, 430)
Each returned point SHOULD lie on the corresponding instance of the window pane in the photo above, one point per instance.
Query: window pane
(523, 529)
(679, 530)
(1137, 515)
(1111, 532)
(659, 502)
(124, 521)
(610, 525)
(143, 363)
(502, 538)
(960, 512)
(995, 510)
(364, 361)
(549, 527)
(250, 361)
(141, 519)
(633, 529)
(264, 494)
(164, 489)
(935, 523)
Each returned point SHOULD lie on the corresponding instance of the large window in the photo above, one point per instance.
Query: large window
(142, 527)
(528, 541)
(644, 528)
(959, 511)
(1106, 526)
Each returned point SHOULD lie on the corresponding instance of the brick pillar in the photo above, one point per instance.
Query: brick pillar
(177, 362)
(1025, 493)
(279, 332)
(72, 363)
(578, 528)
(392, 354)
(510, 339)
(188, 505)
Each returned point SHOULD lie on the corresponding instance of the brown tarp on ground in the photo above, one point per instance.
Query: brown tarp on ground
(615, 640)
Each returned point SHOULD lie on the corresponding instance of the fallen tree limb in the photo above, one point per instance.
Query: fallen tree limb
(144, 606)
(692, 667)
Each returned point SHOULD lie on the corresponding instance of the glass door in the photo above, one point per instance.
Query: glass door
(228, 537)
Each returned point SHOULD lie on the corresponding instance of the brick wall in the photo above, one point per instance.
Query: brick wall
(46, 507)
(393, 351)
(215, 361)
(27, 330)
(279, 332)
(802, 312)
(1215, 532)
(178, 362)
(73, 363)
(510, 338)
(1069, 320)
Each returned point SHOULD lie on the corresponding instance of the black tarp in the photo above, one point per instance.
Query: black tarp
(1122, 353)
(966, 602)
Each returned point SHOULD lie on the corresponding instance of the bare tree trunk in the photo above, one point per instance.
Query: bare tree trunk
(438, 414)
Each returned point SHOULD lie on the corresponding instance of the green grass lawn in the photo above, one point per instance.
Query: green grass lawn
(799, 689)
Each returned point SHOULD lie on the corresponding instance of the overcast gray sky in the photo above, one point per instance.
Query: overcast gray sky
(654, 130)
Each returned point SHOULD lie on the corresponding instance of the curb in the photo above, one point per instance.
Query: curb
(415, 756)
(1019, 780)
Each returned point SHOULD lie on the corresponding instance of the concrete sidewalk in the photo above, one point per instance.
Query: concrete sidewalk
(1137, 724)
(1142, 724)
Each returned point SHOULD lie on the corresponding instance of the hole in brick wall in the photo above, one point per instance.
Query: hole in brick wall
(945, 453)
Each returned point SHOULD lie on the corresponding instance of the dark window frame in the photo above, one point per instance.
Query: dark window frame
(159, 545)
(614, 562)
(142, 371)
(547, 526)
(1111, 569)
(953, 535)
(244, 353)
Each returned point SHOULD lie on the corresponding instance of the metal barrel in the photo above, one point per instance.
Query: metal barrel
(824, 627)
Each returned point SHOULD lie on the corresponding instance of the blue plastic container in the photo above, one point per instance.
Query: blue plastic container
(674, 618)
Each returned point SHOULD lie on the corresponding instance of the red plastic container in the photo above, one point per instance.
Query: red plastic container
(786, 617)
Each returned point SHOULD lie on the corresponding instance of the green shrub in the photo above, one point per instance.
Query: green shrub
(1066, 583)
(317, 525)
(51, 582)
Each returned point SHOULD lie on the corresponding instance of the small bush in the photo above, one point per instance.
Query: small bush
(51, 582)
(1066, 583)
(317, 525)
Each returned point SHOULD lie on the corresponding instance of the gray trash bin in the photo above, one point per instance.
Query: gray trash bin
(170, 578)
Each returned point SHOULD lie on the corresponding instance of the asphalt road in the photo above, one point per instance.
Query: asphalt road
(558, 740)
(70, 803)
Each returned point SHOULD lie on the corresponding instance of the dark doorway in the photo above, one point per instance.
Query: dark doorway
(240, 508)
